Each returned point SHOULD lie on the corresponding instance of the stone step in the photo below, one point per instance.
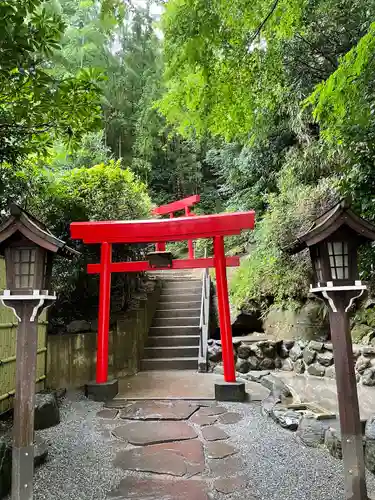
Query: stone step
(173, 275)
(178, 313)
(185, 285)
(173, 330)
(184, 321)
(172, 352)
(180, 297)
(182, 291)
(174, 304)
(173, 340)
(169, 364)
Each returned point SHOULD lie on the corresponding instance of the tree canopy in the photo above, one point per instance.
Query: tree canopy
(106, 109)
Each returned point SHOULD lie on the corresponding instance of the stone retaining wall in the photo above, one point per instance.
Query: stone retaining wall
(312, 358)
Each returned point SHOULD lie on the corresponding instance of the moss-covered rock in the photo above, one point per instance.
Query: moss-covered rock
(360, 332)
(310, 322)
(365, 316)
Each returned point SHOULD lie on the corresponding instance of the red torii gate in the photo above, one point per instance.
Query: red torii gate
(145, 231)
(184, 204)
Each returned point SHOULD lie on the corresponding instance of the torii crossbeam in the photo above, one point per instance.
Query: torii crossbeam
(148, 231)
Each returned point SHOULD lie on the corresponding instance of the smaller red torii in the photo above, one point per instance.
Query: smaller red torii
(184, 204)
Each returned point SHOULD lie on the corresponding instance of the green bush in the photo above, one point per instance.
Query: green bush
(102, 192)
(269, 275)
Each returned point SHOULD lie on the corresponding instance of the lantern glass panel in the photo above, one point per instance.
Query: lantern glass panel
(24, 267)
(318, 265)
(339, 259)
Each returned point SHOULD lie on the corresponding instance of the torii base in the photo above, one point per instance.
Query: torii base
(102, 392)
(230, 391)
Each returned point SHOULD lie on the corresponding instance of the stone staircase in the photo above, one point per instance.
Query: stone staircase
(173, 341)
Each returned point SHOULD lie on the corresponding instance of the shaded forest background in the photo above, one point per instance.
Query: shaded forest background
(107, 108)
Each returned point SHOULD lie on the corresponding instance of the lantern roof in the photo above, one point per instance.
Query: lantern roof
(34, 230)
(329, 222)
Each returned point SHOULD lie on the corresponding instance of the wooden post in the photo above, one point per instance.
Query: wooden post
(224, 312)
(23, 428)
(104, 311)
(27, 311)
(350, 423)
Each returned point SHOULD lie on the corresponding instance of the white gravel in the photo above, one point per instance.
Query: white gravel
(278, 467)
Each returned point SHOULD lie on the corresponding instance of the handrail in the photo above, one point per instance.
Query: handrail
(204, 321)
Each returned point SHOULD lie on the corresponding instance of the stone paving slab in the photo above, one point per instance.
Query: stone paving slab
(213, 433)
(229, 418)
(225, 467)
(232, 484)
(220, 450)
(213, 410)
(107, 413)
(143, 433)
(178, 385)
(183, 458)
(159, 410)
(132, 488)
(202, 420)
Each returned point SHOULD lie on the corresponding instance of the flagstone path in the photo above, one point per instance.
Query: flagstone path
(92, 455)
(176, 439)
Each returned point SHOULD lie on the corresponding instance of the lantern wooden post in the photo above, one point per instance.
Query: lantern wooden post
(333, 241)
(28, 248)
(350, 423)
(27, 310)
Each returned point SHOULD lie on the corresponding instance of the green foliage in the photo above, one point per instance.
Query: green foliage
(36, 107)
(102, 192)
(268, 275)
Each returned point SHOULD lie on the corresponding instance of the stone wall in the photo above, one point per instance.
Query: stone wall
(71, 359)
(312, 358)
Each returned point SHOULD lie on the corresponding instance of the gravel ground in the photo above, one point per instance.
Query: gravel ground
(277, 465)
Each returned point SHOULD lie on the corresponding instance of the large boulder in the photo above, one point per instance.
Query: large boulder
(310, 322)
(5, 466)
(267, 364)
(362, 364)
(242, 366)
(295, 352)
(287, 365)
(254, 363)
(299, 366)
(40, 456)
(309, 356)
(325, 358)
(316, 369)
(214, 353)
(311, 431)
(243, 351)
(368, 377)
(47, 413)
(332, 440)
(288, 419)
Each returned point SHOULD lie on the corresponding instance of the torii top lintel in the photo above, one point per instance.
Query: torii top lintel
(146, 231)
(176, 206)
